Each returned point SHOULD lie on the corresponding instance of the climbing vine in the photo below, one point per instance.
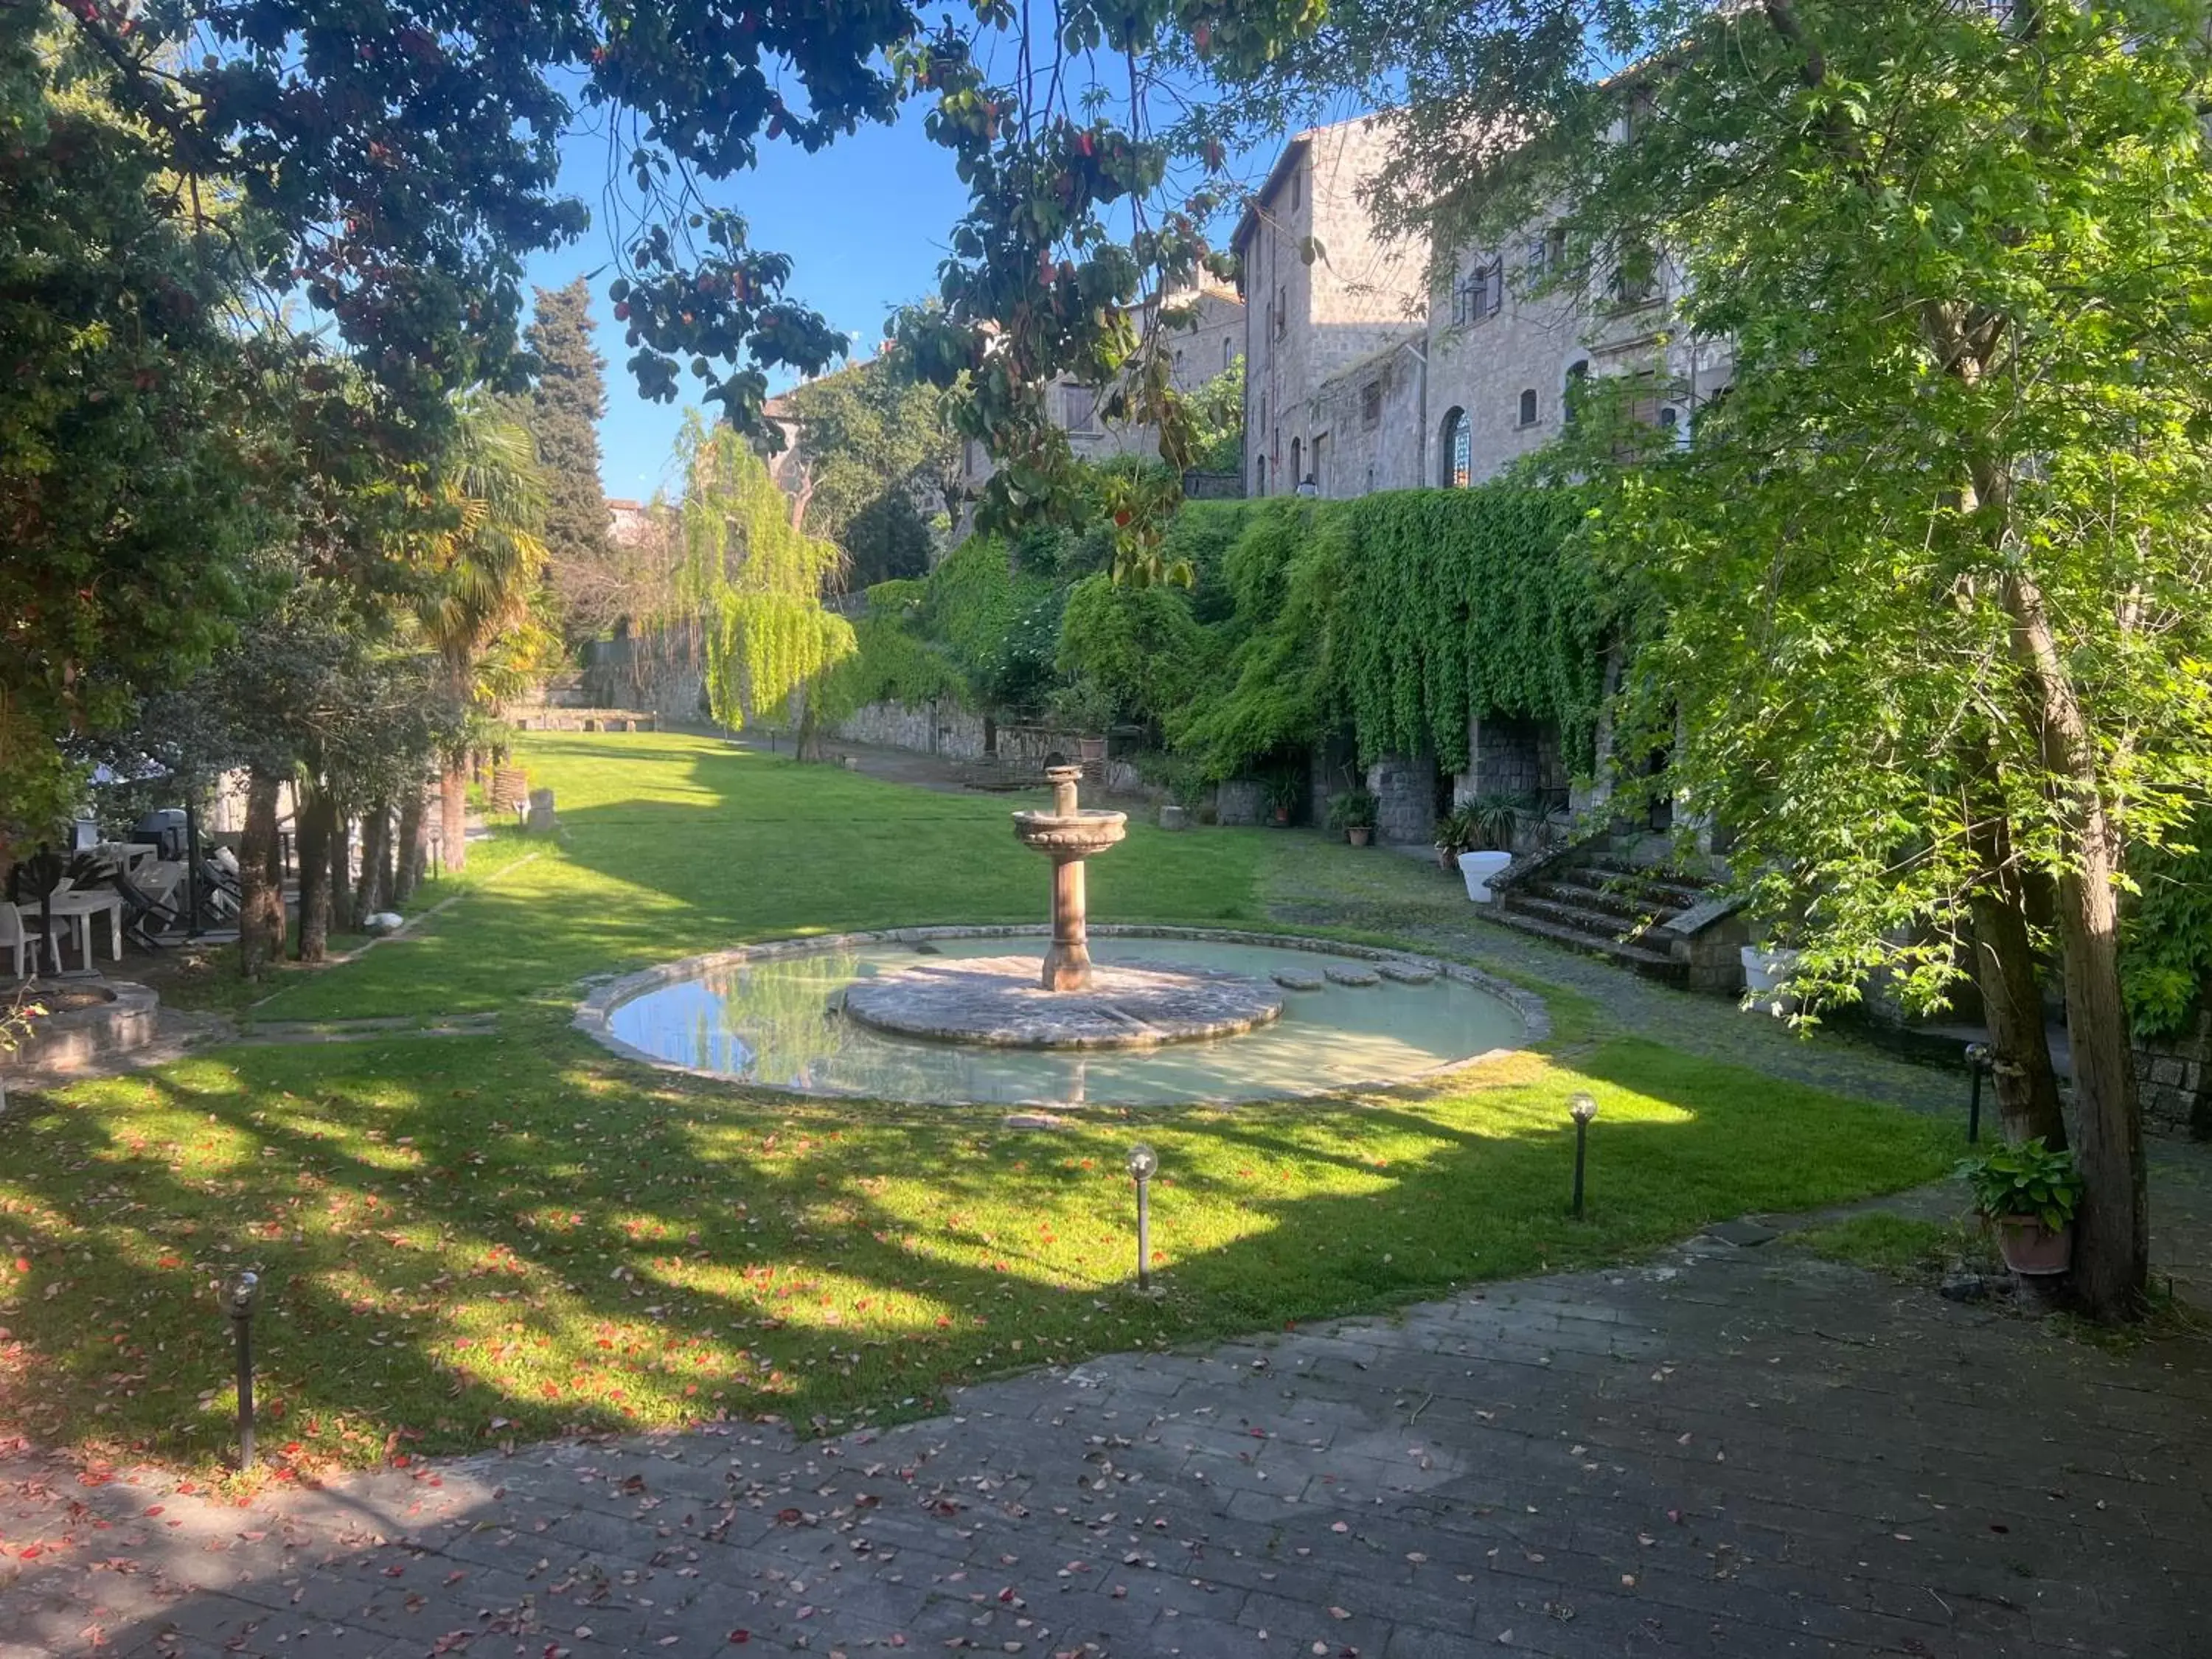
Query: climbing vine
(1400, 616)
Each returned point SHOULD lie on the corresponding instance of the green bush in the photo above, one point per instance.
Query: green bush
(2166, 942)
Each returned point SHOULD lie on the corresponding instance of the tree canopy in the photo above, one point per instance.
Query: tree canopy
(879, 461)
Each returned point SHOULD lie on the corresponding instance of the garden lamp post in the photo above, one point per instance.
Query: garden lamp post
(243, 1295)
(1144, 1162)
(1582, 1108)
(1979, 1057)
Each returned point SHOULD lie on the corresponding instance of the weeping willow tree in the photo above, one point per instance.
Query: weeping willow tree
(756, 582)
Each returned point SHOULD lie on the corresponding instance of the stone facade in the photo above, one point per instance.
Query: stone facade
(2173, 1075)
(1365, 420)
(1405, 798)
(1203, 342)
(1323, 291)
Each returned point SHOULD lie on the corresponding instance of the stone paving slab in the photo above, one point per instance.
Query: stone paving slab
(1729, 1453)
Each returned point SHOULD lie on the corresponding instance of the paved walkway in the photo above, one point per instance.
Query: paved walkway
(1728, 1454)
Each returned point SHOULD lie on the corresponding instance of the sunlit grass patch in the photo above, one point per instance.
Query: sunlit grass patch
(475, 1239)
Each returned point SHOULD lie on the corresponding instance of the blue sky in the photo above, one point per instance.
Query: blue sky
(864, 221)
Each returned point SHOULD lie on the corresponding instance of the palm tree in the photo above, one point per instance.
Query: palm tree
(480, 573)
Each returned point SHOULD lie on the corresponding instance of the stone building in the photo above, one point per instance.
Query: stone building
(1323, 290)
(1204, 336)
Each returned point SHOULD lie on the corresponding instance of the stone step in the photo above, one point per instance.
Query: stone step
(1682, 890)
(1652, 964)
(1605, 900)
(1566, 912)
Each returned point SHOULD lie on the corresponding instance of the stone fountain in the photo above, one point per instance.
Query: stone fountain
(1068, 835)
(1063, 1002)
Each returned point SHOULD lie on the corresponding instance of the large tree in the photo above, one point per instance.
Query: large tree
(568, 399)
(1926, 625)
(755, 580)
(878, 460)
(129, 505)
(476, 571)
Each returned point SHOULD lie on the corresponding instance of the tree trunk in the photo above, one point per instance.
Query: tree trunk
(414, 845)
(387, 865)
(2112, 1239)
(453, 804)
(316, 810)
(2012, 1001)
(368, 893)
(341, 918)
(260, 880)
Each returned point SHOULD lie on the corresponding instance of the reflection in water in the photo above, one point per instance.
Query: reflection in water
(775, 1022)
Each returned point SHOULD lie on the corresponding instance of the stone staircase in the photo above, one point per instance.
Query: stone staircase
(1597, 901)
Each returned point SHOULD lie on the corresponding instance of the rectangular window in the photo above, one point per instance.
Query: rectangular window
(1282, 311)
(1079, 405)
(1370, 404)
(1480, 293)
(1296, 183)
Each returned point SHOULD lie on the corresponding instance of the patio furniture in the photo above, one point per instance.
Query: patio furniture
(18, 932)
(78, 906)
(151, 903)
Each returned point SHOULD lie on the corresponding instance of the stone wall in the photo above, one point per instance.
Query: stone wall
(1405, 798)
(926, 729)
(2173, 1075)
(1367, 424)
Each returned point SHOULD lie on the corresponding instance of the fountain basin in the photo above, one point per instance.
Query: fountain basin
(997, 1001)
(773, 1016)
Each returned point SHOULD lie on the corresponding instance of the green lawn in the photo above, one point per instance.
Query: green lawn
(473, 1239)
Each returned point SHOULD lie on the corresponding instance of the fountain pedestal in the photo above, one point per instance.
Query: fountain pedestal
(1068, 835)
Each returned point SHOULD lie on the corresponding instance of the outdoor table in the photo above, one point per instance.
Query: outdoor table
(126, 856)
(80, 905)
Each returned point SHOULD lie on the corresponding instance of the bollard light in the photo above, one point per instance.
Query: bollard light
(1979, 1056)
(243, 1295)
(1581, 1107)
(1144, 1163)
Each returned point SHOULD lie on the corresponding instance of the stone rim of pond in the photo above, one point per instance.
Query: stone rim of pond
(593, 1014)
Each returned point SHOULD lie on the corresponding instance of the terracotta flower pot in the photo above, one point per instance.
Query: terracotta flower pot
(1358, 834)
(2030, 1248)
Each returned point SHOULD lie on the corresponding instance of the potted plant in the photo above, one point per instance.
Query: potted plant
(1454, 835)
(2029, 1194)
(1086, 708)
(1491, 821)
(1283, 788)
(1353, 813)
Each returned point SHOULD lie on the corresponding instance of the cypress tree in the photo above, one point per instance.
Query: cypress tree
(566, 403)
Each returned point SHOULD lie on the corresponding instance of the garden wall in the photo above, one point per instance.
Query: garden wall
(2173, 1075)
(940, 728)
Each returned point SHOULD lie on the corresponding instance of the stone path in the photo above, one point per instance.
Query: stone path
(1726, 1452)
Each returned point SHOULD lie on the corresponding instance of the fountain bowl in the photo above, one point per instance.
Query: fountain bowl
(1070, 835)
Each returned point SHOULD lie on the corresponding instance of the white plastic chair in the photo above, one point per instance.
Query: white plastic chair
(17, 935)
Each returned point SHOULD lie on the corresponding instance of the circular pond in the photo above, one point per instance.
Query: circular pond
(773, 1016)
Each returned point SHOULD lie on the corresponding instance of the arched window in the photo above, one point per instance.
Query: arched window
(1528, 405)
(1458, 452)
(1297, 472)
(1263, 488)
(1577, 382)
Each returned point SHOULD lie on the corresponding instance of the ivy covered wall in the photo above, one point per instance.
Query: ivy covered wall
(1400, 616)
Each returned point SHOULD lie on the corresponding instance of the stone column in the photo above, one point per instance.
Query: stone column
(1067, 963)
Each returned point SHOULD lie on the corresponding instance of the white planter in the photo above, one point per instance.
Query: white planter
(1767, 970)
(1478, 868)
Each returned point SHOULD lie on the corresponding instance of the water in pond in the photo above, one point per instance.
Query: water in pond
(773, 1022)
